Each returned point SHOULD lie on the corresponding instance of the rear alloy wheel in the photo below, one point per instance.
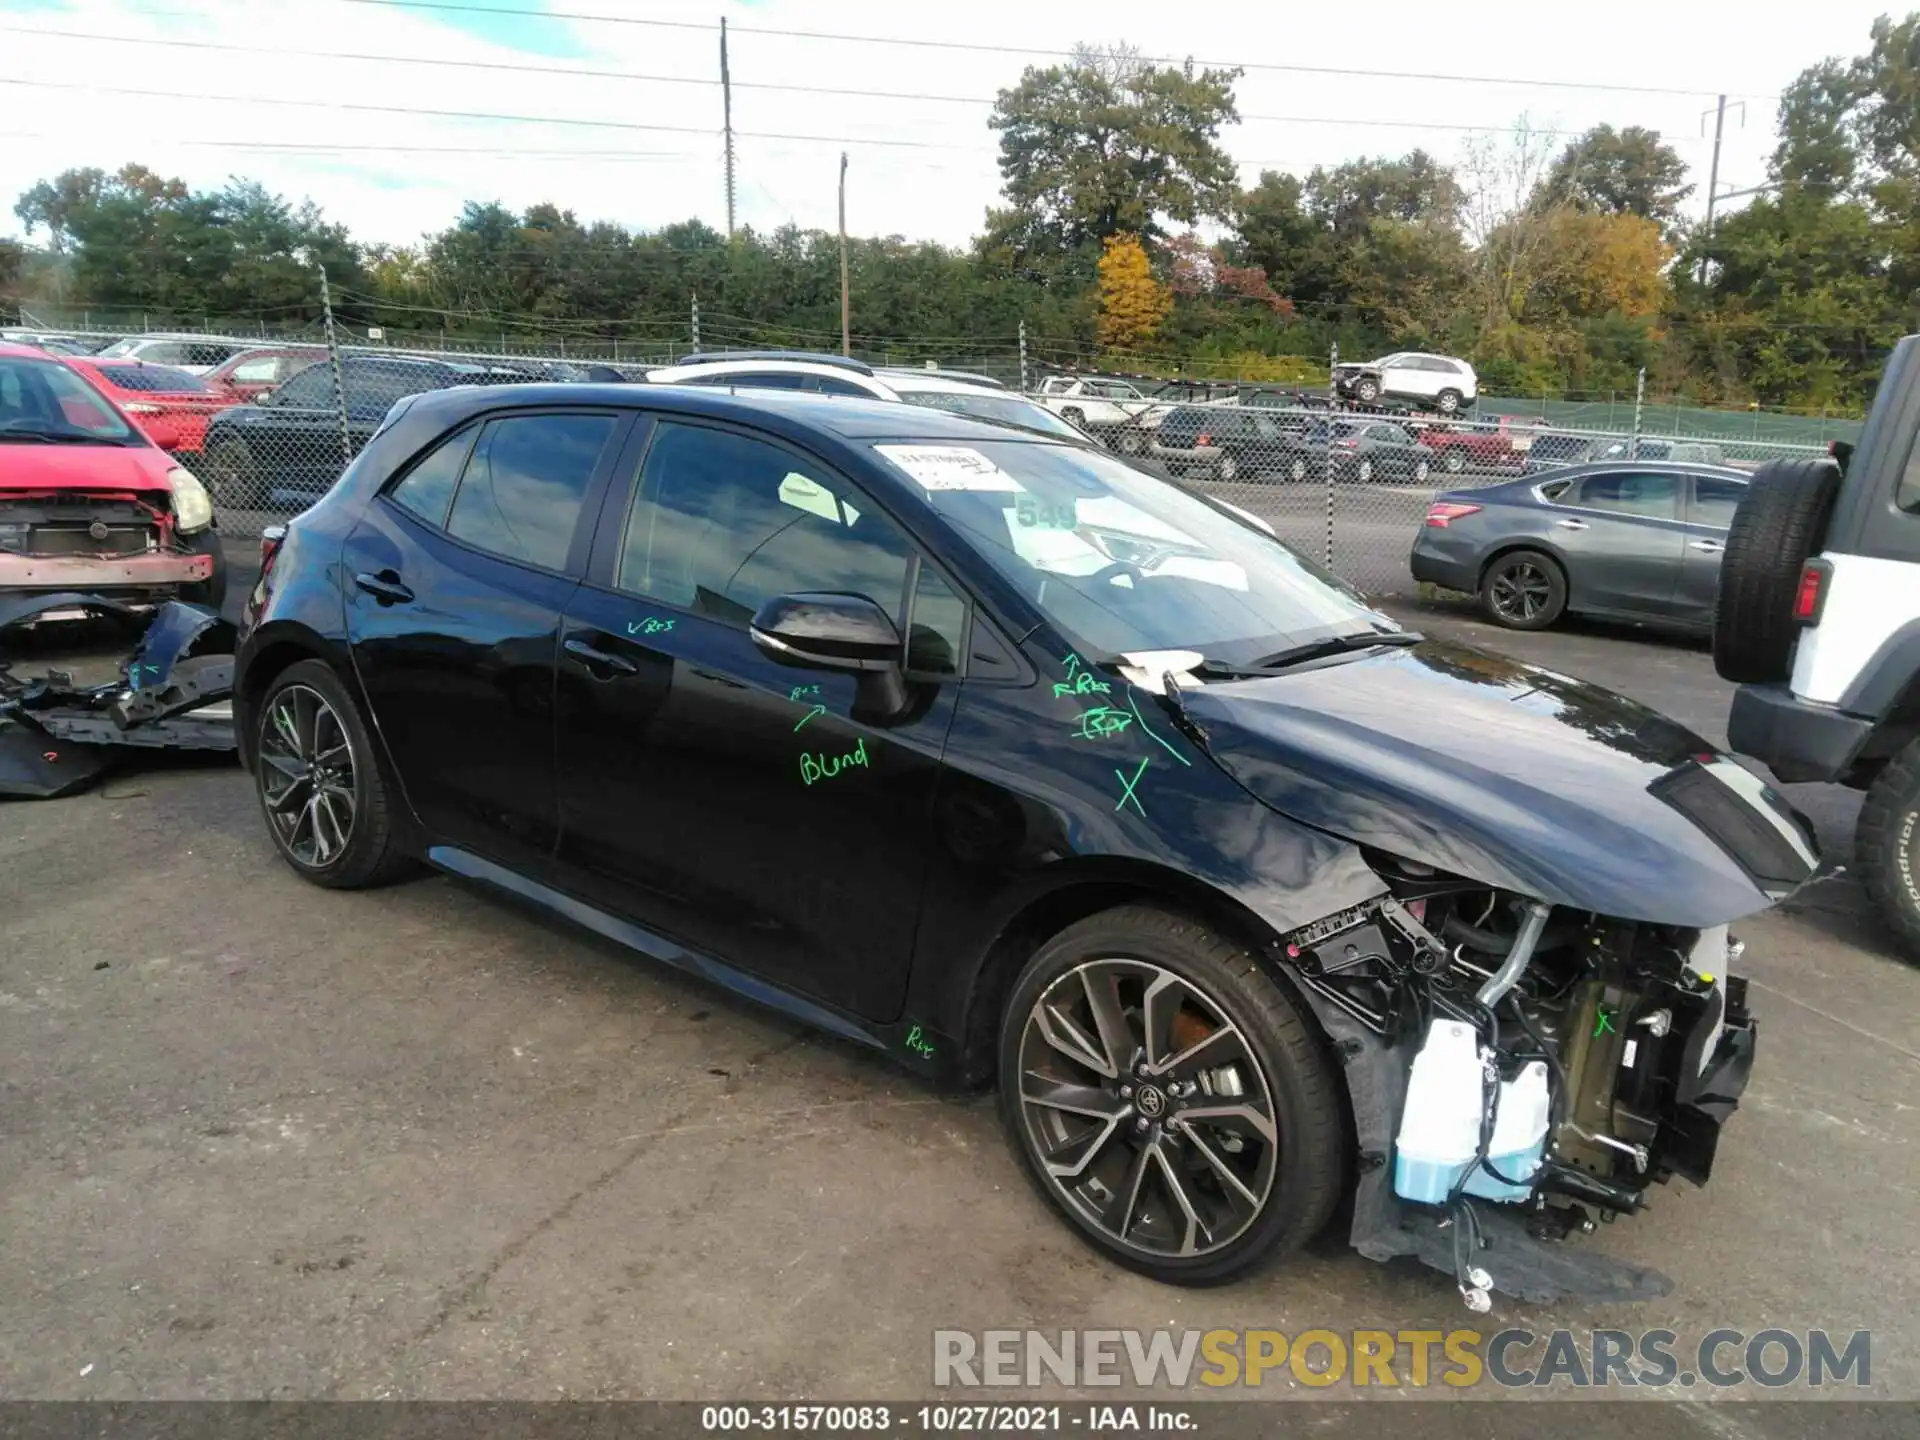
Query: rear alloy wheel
(322, 792)
(1421, 471)
(1132, 442)
(1168, 1098)
(1448, 402)
(1524, 590)
(1297, 471)
(1364, 471)
(1227, 467)
(1454, 459)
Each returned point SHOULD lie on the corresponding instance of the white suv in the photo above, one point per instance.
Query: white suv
(1439, 382)
(958, 391)
(195, 354)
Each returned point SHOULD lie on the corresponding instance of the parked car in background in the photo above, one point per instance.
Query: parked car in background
(1555, 451)
(1486, 447)
(285, 449)
(1217, 442)
(196, 354)
(1635, 541)
(817, 373)
(251, 373)
(1433, 382)
(1110, 410)
(170, 406)
(87, 502)
(52, 342)
(1359, 449)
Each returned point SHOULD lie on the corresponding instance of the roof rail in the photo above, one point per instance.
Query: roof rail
(812, 357)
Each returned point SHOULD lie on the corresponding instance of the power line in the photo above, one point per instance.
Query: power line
(321, 147)
(472, 115)
(978, 48)
(841, 91)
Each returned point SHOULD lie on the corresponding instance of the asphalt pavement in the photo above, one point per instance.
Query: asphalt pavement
(261, 1140)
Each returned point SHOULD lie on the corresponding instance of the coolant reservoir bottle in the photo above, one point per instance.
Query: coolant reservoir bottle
(1440, 1127)
(1519, 1136)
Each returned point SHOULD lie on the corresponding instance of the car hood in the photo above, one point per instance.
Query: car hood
(28, 466)
(1514, 776)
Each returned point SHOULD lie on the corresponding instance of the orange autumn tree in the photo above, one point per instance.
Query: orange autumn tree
(1132, 303)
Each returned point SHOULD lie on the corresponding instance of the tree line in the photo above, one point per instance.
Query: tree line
(1126, 239)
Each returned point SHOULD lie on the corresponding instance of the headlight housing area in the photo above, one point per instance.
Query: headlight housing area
(192, 505)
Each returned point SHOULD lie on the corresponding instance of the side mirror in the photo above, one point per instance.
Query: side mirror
(818, 631)
(265, 397)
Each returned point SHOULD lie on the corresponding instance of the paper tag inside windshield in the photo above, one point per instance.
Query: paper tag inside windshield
(950, 467)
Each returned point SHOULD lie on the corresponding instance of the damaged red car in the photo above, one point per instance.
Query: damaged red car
(89, 503)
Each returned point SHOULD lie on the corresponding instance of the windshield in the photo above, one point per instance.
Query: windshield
(43, 399)
(154, 379)
(1001, 409)
(1123, 562)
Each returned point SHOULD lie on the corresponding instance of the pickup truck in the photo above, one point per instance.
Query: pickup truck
(1485, 447)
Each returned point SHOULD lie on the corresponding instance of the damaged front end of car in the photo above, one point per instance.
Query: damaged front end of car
(1520, 1071)
(172, 692)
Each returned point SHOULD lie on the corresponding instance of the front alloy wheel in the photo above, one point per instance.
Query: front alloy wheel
(307, 777)
(1168, 1098)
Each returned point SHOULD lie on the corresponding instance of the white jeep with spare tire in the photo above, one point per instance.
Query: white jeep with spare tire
(1818, 618)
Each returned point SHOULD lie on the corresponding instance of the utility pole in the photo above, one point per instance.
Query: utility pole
(333, 357)
(696, 323)
(1023, 355)
(846, 302)
(1719, 113)
(726, 106)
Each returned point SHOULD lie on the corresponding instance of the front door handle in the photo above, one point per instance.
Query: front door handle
(384, 586)
(598, 660)
(1706, 547)
(1571, 524)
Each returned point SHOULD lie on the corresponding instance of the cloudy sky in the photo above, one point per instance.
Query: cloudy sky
(324, 98)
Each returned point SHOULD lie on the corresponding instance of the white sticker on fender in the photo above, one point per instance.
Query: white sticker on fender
(950, 467)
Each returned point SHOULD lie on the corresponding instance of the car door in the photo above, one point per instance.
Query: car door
(733, 804)
(1712, 499)
(291, 442)
(1623, 537)
(456, 578)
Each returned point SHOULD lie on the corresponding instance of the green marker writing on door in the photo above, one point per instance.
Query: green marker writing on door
(652, 625)
(825, 767)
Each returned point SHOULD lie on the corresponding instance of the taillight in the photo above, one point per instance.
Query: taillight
(1812, 592)
(1443, 513)
(1203, 438)
(1346, 444)
(271, 538)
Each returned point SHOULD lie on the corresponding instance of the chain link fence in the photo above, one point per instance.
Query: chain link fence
(269, 426)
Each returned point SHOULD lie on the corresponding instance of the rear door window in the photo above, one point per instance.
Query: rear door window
(1651, 497)
(1714, 501)
(522, 489)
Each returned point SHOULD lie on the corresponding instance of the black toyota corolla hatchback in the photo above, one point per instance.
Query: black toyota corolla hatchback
(1008, 759)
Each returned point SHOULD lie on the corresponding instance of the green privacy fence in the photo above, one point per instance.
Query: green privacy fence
(1615, 413)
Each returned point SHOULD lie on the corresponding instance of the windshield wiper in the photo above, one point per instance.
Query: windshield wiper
(1333, 645)
(58, 437)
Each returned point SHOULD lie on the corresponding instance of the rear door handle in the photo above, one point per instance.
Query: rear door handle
(1571, 524)
(597, 660)
(384, 587)
(1706, 547)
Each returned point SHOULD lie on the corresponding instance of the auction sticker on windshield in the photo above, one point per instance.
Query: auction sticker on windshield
(950, 467)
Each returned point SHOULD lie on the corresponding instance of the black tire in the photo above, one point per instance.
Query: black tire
(1227, 467)
(1782, 520)
(1366, 390)
(1524, 590)
(371, 853)
(1454, 459)
(232, 476)
(1297, 470)
(1132, 442)
(212, 591)
(1886, 846)
(1448, 402)
(1422, 472)
(1294, 1081)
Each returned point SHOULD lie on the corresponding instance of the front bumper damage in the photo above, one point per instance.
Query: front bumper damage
(172, 693)
(1652, 1044)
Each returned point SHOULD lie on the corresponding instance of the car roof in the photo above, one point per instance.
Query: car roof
(1654, 467)
(26, 352)
(935, 382)
(789, 412)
